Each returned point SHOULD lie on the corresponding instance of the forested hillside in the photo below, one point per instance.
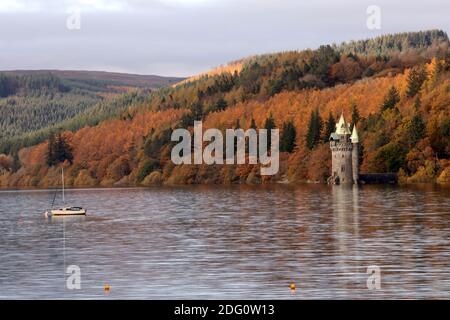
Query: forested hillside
(33, 102)
(101, 79)
(392, 44)
(394, 88)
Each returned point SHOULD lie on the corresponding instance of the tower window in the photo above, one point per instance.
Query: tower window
(343, 169)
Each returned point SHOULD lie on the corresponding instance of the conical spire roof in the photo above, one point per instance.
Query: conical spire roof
(354, 137)
(342, 127)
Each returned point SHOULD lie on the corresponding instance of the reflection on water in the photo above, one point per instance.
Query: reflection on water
(229, 242)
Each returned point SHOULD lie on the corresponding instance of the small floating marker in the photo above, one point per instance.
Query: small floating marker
(106, 288)
(293, 287)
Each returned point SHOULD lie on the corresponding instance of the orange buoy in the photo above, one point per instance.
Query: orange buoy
(293, 286)
(106, 288)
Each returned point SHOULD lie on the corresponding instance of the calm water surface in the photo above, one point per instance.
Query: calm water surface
(229, 242)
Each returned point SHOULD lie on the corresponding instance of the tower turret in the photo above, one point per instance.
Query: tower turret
(341, 152)
(355, 155)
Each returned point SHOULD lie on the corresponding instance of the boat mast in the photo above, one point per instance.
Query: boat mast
(62, 173)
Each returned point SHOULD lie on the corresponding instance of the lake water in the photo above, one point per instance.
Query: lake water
(236, 242)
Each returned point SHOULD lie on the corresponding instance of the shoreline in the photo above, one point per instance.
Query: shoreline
(249, 186)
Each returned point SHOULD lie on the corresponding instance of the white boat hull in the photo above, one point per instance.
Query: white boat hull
(68, 212)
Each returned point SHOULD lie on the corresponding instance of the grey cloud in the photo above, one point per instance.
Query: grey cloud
(161, 37)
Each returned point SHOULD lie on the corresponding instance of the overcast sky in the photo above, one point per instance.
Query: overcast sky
(186, 37)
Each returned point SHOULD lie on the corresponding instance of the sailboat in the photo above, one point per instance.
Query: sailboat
(66, 211)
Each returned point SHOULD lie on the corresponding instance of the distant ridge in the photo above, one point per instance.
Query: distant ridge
(382, 45)
(231, 68)
(134, 80)
(396, 43)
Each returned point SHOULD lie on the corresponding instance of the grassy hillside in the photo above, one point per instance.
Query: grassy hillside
(396, 91)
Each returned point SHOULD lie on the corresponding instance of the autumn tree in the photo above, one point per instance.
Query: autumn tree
(330, 127)
(355, 116)
(220, 105)
(416, 128)
(51, 151)
(254, 127)
(391, 99)
(346, 69)
(58, 150)
(16, 161)
(5, 162)
(237, 126)
(439, 134)
(314, 130)
(416, 78)
(288, 136)
(154, 144)
(147, 167)
(417, 103)
(269, 125)
(195, 113)
(436, 69)
(391, 157)
(119, 168)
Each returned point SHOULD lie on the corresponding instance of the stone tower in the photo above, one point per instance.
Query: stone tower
(355, 155)
(344, 152)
